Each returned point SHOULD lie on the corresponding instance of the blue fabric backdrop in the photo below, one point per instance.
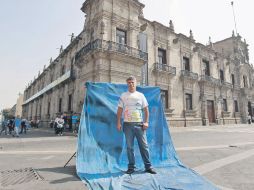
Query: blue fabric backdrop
(101, 154)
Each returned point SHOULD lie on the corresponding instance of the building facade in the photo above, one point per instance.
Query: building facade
(200, 84)
(18, 111)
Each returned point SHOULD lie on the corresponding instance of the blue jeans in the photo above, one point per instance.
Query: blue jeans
(132, 130)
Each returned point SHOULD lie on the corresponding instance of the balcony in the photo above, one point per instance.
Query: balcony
(226, 84)
(245, 91)
(110, 46)
(164, 68)
(189, 75)
(225, 114)
(210, 79)
(236, 87)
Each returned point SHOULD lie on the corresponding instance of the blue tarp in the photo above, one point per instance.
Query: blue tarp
(101, 155)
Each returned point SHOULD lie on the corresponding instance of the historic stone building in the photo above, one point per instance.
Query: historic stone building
(200, 84)
(18, 112)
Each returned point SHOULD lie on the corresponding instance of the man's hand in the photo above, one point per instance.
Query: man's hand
(145, 125)
(146, 119)
(119, 127)
(119, 115)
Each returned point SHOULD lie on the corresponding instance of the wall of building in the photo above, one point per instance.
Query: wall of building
(95, 55)
(18, 111)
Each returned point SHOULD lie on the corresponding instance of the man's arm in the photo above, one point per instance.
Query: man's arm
(146, 119)
(119, 115)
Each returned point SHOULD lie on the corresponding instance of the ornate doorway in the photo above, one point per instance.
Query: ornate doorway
(210, 111)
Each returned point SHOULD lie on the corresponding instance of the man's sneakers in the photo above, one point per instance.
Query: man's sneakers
(151, 171)
(130, 171)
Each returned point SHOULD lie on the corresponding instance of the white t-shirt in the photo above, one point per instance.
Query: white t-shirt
(132, 104)
(60, 122)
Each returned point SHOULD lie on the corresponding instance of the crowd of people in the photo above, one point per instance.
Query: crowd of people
(63, 123)
(16, 126)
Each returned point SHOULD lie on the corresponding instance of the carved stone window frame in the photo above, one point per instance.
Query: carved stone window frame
(186, 94)
(186, 53)
(159, 49)
(125, 31)
(206, 62)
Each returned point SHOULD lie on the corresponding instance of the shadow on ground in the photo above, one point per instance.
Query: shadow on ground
(68, 170)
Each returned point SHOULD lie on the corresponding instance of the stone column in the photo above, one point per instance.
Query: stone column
(204, 111)
(219, 119)
(169, 94)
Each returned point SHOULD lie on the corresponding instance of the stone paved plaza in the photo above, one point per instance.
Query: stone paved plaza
(222, 154)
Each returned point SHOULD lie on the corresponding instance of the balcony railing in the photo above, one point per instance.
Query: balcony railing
(189, 74)
(245, 90)
(210, 79)
(226, 84)
(236, 87)
(165, 68)
(110, 46)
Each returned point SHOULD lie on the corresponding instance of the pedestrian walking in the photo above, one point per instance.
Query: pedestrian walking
(4, 127)
(10, 126)
(249, 119)
(17, 125)
(75, 123)
(23, 126)
(65, 118)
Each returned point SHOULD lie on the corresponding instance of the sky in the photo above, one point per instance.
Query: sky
(32, 31)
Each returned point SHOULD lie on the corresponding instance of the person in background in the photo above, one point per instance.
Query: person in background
(64, 117)
(60, 125)
(132, 104)
(10, 126)
(249, 119)
(32, 123)
(28, 125)
(4, 127)
(75, 124)
(51, 123)
(23, 126)
(37, 123)
(16, 125)
(55, 124)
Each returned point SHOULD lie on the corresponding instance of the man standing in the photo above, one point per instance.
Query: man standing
(133, 103)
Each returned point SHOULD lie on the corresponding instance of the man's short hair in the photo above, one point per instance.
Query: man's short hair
(131, 78)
